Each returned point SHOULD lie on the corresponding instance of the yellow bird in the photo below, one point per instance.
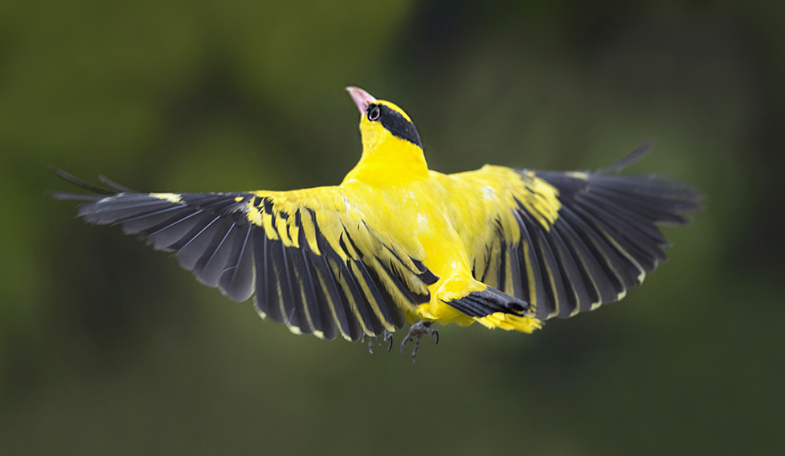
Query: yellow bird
(397, 242)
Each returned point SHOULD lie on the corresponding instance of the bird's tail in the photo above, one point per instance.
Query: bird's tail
(494, 309)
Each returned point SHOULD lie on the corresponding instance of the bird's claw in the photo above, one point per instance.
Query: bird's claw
(386, 336)
(416, 333)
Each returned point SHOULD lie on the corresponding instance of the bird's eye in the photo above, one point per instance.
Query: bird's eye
(374, 112)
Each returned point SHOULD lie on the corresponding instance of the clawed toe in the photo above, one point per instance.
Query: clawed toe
(386, 336)
(416, 333)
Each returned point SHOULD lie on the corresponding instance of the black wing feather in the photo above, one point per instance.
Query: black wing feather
(349, 326)
(212, 235)
(555, 289)
(237, 279)
(163, 235)
(536, 295)
(604, 239)
(574, 279)
(607, 232)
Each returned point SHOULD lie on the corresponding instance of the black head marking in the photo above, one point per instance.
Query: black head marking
(394, 122)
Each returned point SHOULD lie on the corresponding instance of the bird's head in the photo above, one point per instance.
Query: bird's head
(383, 125)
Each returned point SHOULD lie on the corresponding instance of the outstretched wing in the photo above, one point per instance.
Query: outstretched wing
(312, 261)
(570, 242)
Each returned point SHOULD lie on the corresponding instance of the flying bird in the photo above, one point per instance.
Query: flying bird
(396, 242)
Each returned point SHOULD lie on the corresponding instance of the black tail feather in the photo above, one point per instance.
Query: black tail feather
(479, 304)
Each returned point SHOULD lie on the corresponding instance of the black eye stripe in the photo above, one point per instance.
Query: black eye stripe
(397, 124)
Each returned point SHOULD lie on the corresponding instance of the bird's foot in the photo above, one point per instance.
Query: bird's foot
(416, 333)
(386, 336)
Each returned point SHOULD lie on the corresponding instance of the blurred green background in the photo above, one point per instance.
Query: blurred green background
(107, 347)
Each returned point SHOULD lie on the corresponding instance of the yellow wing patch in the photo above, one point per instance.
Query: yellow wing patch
(171, 197)
(518, 206)
(324, 250)
(539, 198)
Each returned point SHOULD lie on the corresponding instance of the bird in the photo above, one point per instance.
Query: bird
(396, 242)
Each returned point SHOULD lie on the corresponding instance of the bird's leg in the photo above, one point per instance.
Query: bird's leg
(386, 335)
(416, 333)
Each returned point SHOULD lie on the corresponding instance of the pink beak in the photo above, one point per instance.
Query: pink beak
(361, 98)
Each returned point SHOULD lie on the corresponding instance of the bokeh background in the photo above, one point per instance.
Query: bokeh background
(107, 347)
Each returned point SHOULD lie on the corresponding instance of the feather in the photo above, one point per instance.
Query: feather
(237, 279)
(574, 277)
(536, 287)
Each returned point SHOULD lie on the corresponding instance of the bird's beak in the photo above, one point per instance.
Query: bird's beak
(361, 98)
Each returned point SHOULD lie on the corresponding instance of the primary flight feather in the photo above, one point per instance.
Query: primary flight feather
(397, 242)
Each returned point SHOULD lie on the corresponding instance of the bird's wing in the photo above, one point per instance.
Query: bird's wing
(570, 242)
(309, 255)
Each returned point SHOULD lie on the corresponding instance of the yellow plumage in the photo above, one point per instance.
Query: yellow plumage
(396, 241)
